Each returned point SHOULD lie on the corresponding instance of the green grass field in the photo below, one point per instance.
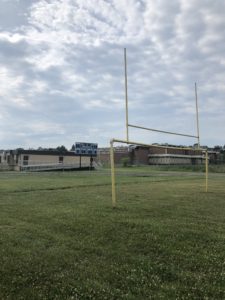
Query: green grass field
(61, 239)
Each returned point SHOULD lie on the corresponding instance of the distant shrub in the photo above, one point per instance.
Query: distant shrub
(217, 168)
(125, 161)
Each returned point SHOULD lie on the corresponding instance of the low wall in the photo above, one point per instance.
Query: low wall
(4, 167)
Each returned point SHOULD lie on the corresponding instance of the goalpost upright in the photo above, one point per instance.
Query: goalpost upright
(127, 141)
(126, 94)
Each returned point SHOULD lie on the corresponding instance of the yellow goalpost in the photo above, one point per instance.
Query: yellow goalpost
(127, 141)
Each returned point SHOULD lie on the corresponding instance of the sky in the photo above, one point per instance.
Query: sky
(62, 71)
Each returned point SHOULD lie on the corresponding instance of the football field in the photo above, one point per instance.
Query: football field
(61, 239)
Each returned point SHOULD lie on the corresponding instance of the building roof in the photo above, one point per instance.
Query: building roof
(48, 152)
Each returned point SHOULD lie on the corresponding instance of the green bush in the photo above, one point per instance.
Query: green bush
(125, 161)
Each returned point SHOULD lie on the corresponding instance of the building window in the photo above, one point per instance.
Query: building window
(60, 159)
(25, 160)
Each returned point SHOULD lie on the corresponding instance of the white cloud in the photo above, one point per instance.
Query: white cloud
(9, 82)
(11, 37)
(46, 59)
(65, 65)
(46, 128)
(38, 86)
(10, 92)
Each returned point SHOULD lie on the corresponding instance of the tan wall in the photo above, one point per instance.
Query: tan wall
(37, 159)
(53, 159)
(85, 160)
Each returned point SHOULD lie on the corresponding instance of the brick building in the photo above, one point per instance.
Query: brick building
(120, 153)
(153, 155)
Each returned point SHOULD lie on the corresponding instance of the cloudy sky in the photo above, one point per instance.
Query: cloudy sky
(62, 72)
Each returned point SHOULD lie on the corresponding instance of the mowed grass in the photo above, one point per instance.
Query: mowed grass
(61, 239)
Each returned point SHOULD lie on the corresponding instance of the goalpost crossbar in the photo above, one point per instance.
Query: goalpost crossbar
(152, 145)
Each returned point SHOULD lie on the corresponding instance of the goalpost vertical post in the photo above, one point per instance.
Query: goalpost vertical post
(206, 170)
(197, 119)
(127, 135)
(126, 94)
(112, 174)
(198, 137)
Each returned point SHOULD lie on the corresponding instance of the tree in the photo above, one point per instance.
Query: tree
(217, 148)
(62, 148)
